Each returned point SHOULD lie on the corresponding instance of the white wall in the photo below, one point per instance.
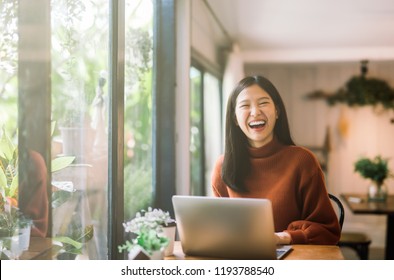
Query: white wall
(205, 34)
(369, 131)
(197, 33)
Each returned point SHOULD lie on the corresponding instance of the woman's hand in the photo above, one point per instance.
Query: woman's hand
(282, 238)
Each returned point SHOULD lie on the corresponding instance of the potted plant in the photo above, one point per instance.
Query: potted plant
(148, 234)
(375, 169)
(14, 231)
(13, 221)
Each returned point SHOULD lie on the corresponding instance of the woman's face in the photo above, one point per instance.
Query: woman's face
(256, 115)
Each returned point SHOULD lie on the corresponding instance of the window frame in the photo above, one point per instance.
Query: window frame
(204, 66)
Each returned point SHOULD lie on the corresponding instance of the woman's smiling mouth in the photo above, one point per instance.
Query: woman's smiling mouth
(257, 124)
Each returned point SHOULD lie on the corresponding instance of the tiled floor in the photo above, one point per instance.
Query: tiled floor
(374, 253)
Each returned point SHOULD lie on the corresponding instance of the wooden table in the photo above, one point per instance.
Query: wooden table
(39, 249)
(299, 252)
(359, 204)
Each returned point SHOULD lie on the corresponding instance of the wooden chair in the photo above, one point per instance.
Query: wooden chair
(356, 240)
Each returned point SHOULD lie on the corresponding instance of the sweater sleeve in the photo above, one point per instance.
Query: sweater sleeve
(319, 223)
(219, 188)
(34, 194)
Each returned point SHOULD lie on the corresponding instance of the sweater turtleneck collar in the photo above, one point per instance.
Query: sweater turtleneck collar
(267, 150)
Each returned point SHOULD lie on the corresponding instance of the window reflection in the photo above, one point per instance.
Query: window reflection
(79, 114)
(79, 111)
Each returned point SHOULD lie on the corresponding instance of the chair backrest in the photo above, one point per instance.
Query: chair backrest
(338, 209)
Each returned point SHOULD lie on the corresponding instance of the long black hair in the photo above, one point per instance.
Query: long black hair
(236, 164)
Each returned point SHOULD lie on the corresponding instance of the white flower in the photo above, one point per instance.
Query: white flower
(154, 219)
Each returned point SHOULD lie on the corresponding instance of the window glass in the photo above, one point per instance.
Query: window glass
(138, 106)
(212, 126)
(205, 131)
(8, 125)
(196, 148)
(8, 67)
(79, 58)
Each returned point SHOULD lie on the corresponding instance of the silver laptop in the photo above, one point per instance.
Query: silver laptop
(232, 228)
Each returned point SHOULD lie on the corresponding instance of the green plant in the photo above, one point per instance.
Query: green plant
(14, 225)
(72, 245)
(12, 219)
(375, 169)
(147, 227)
(148, 239)
(9, 167)
(361, 91)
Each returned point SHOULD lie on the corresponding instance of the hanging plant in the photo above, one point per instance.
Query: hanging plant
(360, 90)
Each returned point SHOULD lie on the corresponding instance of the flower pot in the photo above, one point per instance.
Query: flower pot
(13, 245)
(138, 253)
(377, 193)
(24, 237)
(169, 232)
(157, 255)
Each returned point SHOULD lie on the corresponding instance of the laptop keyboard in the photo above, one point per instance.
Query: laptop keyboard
(282, 251)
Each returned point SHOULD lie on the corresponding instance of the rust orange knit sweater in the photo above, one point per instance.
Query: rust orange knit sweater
(291, 177)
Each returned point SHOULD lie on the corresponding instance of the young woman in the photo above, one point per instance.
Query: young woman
(262, 161)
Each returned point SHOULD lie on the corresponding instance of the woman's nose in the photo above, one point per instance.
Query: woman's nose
(254, 110)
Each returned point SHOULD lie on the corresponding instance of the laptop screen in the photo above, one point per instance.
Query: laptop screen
(235, 228)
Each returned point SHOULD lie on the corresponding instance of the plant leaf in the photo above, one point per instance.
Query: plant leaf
(13, 187)
(67, 240)
(3, 179)
(53, 125)
(61, 163)
(59, 198)
(7, 148)
(87, 234)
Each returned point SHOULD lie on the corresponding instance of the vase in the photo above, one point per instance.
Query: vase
(139, 253)
(169, 232)
(24, 237)
(157, 255)
(377, 192)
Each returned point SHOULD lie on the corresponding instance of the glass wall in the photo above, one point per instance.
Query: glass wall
(73, 172)
(8, 125)
(138, 106)
(79, 57)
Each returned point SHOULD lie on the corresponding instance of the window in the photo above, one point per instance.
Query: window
(79, 59)
(138, 107)
(205, 128)
(196, 133)
(79, 84)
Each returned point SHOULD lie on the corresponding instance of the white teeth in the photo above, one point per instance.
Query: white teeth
(255, 123)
